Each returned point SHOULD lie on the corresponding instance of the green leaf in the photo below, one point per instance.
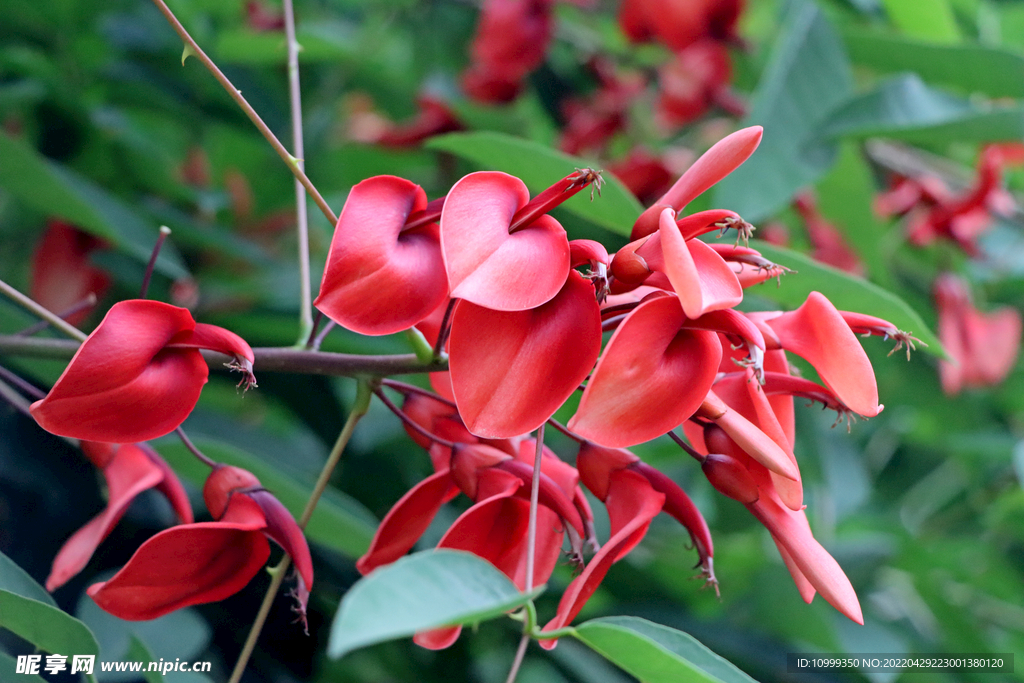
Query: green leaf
(45, 626)
(422, 591)
(8, 665)
(14, 579)
(539, 167)
(339, 522)
(975, 68)
(807, 77)
(847, 292)
(60, 192)
(655, 653)
(928, 19)
(905, 108)
(180, 634)
(137, 652)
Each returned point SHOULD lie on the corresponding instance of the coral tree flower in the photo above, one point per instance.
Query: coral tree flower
(827, 242)
(510, 42)
(497, 476)
(384, 271)
(129, 470)
(633, 492)
(62, 275)
(204, 562)
(984, 346)
(138, 375)
(679, 23)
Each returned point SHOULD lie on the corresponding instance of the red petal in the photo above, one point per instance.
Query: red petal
(632, 503)
(438, 638)
(700, 277)
(188, 565)
(128, 474)
(378, 279)
(511, 370)
(406, 521)
(215, 339)
(490, 267)
(750, 438)
(651, 377)
(724, 157)
(122, 385)
(817, 333)
(62, 274)
(283, 529)
(791, 530)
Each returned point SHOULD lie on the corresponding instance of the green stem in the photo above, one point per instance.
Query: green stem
(193, 48)
(301, 219)
(362, 404)
(41, 312)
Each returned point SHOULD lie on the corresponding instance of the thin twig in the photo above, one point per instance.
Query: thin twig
(319, 339)
(193, 48)
(23, 386)
(88, 302)
(409, 421)
(531, 545)
(359, 409)
(164, 232)
(406, 388)
(444, 329)
(11, 395)
(41, 312)
(565, 430)
(302, 222)
(192, 448)
(268, 358)
(686, 447)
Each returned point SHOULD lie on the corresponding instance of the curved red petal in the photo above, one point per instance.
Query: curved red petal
(490, 267)
(128, 474)
(791, 530)
(378, 279)
(406, 521)
(724, 157)
(511, 370)
(188, 565)
(283, 529)
(632, 503)
(817, 333)
(152, 403)
(213, 338)
(438, 638)
(700, 277)
(651, 377)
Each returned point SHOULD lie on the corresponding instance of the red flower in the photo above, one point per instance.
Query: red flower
(984, 346)
(510, 42)
(138, 375)
(62, 274)
(434, 118)
(679, 23)
(494, 528)
(384, 271)
(828, 244)
(128, 470)
(198, 563)
(696, 80)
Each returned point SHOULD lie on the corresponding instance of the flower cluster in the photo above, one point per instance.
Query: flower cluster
(519, 311)
(982, 347)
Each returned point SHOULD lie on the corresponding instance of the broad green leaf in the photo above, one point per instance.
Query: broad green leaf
(807, 77)
(180, 634)
(8, 665)
(45, 626)
(905, 108)
(847, 292)
(426, 590)
(844, 197)
(974, 68)
(928, 19)
(138, 652)
(14, 579)
(655, 653)
(339, 522)
(58, 191)
(540, 167)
